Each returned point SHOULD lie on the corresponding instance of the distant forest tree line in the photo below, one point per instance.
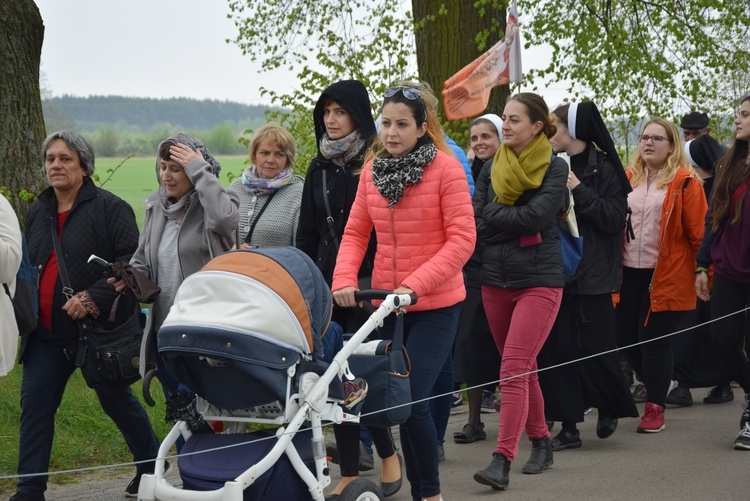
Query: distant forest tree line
(120, 126)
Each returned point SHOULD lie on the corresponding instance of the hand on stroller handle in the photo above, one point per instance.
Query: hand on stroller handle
(373, 294)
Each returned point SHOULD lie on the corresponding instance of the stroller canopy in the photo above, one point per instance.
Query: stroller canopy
(275, 294)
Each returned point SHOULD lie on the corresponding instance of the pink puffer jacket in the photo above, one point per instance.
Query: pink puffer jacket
(423, 241)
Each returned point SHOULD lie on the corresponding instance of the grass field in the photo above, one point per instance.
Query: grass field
(136, 178)
(84, 435)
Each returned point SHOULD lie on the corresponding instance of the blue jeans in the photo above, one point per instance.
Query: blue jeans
(440, 407)
(46, 371)
(428, 337)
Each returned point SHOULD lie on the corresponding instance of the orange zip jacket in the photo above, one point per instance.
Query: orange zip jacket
(680, 234)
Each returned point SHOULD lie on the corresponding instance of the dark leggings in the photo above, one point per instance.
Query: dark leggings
(652, 361)
(347, 443)
(728, 334)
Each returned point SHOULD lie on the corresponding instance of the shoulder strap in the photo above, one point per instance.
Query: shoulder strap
(67, 290)
(741, 189)
(329, 218)
(257, 218)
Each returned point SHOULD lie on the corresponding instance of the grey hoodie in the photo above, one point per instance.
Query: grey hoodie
(211, 216)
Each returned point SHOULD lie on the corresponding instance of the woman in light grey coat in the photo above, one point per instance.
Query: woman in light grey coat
(270, 193)
(189, 219)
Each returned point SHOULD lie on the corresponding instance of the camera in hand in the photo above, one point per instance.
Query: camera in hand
(101, 265)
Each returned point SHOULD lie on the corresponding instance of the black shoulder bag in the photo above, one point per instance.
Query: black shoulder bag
(109, 359)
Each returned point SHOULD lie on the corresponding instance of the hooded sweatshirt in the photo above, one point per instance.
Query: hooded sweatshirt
(313, 233)
(210, 217)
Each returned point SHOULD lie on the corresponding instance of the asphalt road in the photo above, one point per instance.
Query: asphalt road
(692, 459)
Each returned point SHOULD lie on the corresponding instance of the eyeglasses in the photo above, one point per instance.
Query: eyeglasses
(656, 139)
(408, 92)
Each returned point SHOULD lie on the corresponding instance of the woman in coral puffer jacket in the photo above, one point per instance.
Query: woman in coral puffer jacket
(416, 197)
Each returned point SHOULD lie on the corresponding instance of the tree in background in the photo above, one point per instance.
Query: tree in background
(21, 121)
(373, 41)
(653, 58)
(637, 58)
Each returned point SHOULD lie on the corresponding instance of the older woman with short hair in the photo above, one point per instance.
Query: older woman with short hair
(270, 193)
(87, 220)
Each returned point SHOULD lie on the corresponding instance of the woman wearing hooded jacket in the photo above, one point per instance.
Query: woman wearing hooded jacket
(189, 219)
(344, 129)
(586, 320)
(668, 206)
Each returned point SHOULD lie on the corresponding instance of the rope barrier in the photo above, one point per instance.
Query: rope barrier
(273, 437)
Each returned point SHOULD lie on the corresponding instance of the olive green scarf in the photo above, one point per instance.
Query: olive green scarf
(512, 175)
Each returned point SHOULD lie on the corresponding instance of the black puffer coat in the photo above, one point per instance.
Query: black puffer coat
(601, 204)
(499, 226)
(313, 235)
(99, 223)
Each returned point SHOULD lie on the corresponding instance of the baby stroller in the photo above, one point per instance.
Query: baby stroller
(244, 334)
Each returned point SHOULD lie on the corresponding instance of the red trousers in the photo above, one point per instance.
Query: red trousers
(520, 321)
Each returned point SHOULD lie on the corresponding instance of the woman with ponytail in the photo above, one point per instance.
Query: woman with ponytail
(516, 206)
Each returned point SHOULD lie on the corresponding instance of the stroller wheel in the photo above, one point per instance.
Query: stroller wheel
(361, 490)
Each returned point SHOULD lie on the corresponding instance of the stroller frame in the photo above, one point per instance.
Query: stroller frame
(310, 404)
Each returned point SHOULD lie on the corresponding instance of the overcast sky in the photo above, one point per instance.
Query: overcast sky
(157, 48)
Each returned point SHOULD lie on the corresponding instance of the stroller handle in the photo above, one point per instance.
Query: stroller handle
(372, 294)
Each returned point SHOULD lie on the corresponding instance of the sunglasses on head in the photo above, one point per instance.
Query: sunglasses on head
(408, 92)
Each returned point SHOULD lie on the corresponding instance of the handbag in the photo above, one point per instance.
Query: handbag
(388, 400)
(571, 243)
(109, 358)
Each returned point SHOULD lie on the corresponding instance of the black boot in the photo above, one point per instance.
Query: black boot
(541, 456)
(496, 475)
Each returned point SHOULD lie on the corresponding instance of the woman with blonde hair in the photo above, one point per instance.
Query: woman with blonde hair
(664, 231)
(270, 193)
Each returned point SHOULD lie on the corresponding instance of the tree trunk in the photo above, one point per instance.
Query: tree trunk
(21, 120)
(445, 40)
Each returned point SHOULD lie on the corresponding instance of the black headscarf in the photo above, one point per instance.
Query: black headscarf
(704, 151)
(585, 123)
(353, 97)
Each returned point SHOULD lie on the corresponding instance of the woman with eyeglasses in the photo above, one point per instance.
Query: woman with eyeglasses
(725, 244)
(416, 197)
(516, 206)
(665, 228)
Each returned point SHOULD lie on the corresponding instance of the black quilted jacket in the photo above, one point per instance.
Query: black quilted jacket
(504, 262)
(99, 223)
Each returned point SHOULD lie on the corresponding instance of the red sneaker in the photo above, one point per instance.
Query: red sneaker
(653, 419)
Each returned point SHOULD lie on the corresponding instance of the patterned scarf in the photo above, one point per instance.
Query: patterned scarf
(255, 184)
(341, 151)
(392, 175)
(512, 175)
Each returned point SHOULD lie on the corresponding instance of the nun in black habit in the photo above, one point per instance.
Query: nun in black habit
(586, 322)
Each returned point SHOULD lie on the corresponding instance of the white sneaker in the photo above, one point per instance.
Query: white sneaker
(742, 442)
